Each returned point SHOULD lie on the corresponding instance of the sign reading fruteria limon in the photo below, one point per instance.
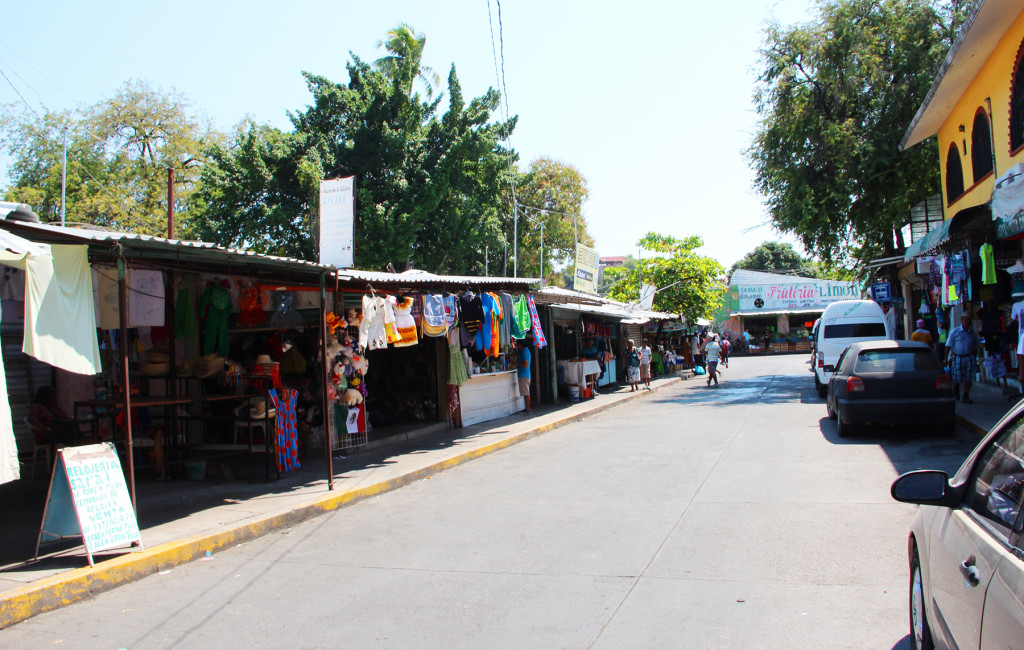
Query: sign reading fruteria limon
(797, 296)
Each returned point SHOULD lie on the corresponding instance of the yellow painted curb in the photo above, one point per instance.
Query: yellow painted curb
(65, 588)
(970, 426)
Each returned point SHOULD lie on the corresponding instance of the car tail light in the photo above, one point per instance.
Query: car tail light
(854, 385)
(943, 382)
(821, 359)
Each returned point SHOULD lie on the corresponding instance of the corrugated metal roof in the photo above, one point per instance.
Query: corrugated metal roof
(414, 277)
(50, 233)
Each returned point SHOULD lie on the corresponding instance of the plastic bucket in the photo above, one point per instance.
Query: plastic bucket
(195, 470)
(574, 393)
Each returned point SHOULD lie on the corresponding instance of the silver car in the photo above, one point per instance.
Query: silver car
(965, 546)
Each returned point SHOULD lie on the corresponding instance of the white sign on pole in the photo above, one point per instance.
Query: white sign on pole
(337, 221)
(88, 498)
(586, 269)
(647, 292)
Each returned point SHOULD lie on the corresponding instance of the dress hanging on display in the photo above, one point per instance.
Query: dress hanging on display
(287, 434)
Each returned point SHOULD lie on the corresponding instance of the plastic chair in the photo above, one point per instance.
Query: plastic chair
(38, 446)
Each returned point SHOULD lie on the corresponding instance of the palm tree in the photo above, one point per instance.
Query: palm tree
(405, 48)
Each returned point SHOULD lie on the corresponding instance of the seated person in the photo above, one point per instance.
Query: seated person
(49, 423)
(589, 350)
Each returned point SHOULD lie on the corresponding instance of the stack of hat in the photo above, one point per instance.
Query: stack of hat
(258, 409)
(208, 365)
(158, 360)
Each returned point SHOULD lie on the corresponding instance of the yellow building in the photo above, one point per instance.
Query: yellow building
(976, 106)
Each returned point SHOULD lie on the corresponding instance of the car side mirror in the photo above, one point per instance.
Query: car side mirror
(924, 487)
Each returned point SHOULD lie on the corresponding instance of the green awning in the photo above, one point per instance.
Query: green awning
(934, 238)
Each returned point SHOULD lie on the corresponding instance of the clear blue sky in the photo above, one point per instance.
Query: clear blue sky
(651, 101)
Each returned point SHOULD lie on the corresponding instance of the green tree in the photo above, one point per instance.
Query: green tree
(119, 151)
(429, 188)
(776, 257)
(550, 194)
(835, 97)
(688, 283)
(403, 63)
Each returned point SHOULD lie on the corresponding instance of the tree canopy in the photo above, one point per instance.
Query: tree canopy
(552, 194)
(119, 151)
(835, 97)
(688, 283)
(429, 187)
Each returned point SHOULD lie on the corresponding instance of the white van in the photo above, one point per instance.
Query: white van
(842, 324)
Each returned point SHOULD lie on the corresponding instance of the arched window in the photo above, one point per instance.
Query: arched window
(981, 146)
(954, 175)
(1017, 104)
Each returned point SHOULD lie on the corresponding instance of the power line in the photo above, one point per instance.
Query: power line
(503, 106)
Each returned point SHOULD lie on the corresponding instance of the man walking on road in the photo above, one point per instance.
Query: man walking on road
(645, 364)
(712, 352)
(961, 352)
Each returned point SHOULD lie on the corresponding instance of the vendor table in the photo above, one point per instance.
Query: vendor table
(576, 372)
(490, 395)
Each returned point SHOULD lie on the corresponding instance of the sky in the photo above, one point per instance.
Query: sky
(651, 101)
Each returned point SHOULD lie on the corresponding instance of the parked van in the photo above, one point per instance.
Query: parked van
(842, 324)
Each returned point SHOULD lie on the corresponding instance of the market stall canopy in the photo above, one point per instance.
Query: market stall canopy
(1008, 203)
(417, 279)
(628, 313)
(107, 245)
(974, 218)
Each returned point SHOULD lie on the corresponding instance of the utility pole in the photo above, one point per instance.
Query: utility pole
(486, 267)
(170, 203)
(64, 179)
(515, 239)
(542, 253)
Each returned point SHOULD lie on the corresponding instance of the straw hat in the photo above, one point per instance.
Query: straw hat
(157, 357)
(208, 366)
(259, 410)
(264, 359)
(152, 369)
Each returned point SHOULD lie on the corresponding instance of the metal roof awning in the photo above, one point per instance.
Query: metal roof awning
(416, 278)
(159, 252)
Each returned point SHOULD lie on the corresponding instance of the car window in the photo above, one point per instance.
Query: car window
(844, 361)
(996, 487)
(896, 361)
(854, 330)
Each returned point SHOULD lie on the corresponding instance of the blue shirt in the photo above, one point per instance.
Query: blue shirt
(962, 342)
(523, 370)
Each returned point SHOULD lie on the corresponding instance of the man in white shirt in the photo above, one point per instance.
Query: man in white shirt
(713, 352)
(645, 364)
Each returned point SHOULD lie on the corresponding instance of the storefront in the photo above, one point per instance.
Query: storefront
(778, 311)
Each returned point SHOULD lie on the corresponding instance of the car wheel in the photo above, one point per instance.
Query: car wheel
(832, 415)
(844, 429)
(820, 387)
(920, 635)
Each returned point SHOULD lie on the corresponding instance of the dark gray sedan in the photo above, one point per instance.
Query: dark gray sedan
(889, 381)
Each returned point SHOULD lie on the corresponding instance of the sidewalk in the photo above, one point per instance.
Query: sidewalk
(185, 520)
(990, 404)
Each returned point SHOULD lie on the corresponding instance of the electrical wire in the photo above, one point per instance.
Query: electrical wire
(503, 104)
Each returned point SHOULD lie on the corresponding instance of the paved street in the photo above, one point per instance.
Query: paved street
(697, 517)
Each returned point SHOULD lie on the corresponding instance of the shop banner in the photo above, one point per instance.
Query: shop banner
(337, 221)
(1008, 202)
(88, 498)
(586, 269)
(802, 296)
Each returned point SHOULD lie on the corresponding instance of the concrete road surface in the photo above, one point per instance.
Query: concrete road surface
(694, 518)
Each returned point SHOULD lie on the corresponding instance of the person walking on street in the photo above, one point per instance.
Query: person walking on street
(523, 371)
(645, 364)
(726, 346)
(713, 352)
(632, 366)
(961, 356)
(922, 334)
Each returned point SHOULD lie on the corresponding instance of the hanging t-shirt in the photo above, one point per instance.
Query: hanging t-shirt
(1018, 315)
(1017, 274)
(988, 264)
(522, 322)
